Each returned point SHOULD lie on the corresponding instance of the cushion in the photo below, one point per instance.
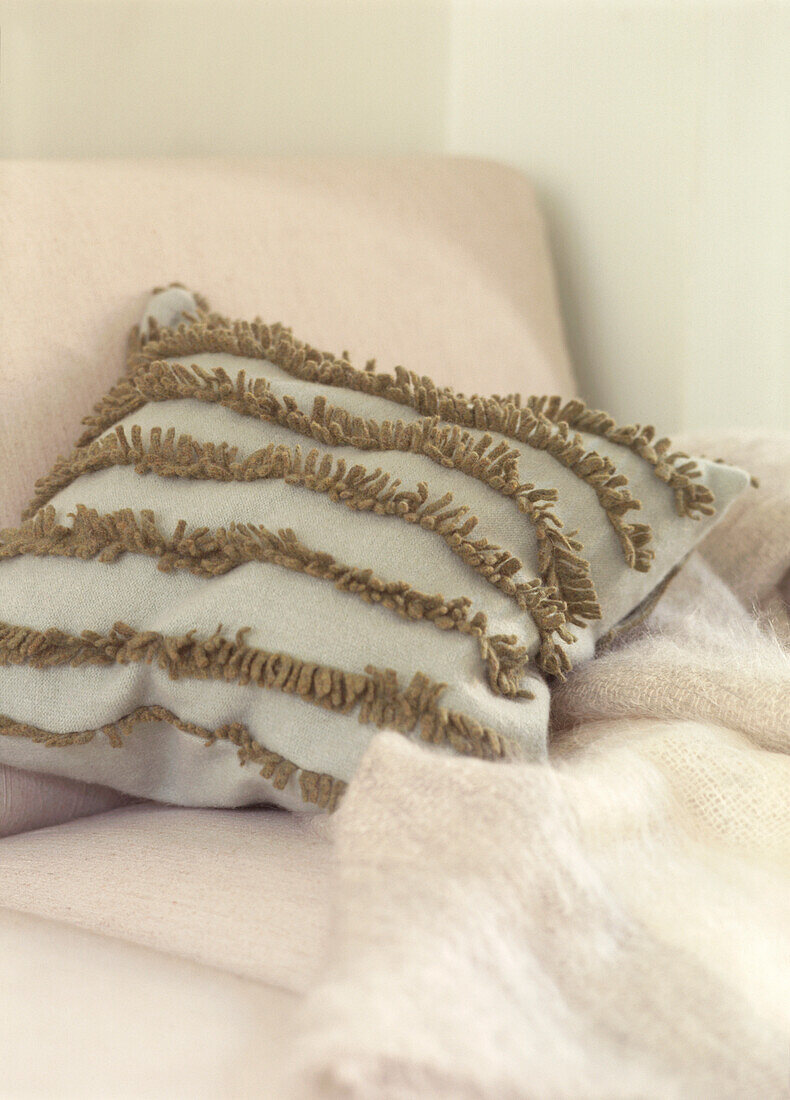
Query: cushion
(218, 562)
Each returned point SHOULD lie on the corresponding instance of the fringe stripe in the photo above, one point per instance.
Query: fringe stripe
(120, 401)
(207, 552)
(560, 564)
(318, 788)
(170, 456)
(376, 695)
(211, 332)
(676, 469)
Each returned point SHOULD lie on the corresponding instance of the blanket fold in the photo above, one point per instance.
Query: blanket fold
(613, 924)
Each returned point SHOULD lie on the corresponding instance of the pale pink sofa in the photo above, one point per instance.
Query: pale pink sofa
(149, 950)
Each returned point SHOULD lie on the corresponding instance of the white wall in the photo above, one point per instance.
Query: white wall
(154, 77)
(658, 134)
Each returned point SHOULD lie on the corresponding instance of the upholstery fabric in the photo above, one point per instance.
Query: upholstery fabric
(33, 800)
(245, 891)
(146, 1024)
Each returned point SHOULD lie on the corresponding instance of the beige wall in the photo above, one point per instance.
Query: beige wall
(658, 134)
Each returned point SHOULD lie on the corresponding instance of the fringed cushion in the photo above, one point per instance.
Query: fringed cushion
(258, 555)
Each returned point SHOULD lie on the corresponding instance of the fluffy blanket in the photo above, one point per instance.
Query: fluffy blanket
(615, 923)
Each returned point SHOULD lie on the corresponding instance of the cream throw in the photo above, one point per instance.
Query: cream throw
(614, 924)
